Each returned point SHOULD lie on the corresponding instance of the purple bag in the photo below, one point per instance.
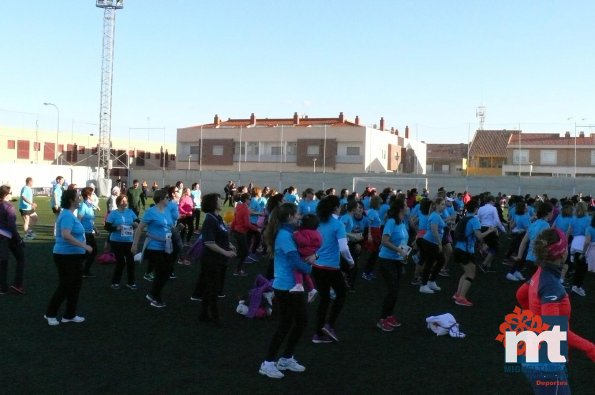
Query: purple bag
(196, 250)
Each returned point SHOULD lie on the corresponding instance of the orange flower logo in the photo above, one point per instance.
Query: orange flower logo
(520, 321)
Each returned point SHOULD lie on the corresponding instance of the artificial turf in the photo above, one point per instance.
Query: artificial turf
(125, 346)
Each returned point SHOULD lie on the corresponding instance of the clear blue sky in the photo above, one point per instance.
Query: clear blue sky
(426, 64)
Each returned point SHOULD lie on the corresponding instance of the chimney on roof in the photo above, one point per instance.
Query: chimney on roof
(296, 118)
(216, 120)
(397, 132)
(357, 119)
(567, 135)
(341, 118)
(581, 134)
(406, 132)
(382, 123)
(392, 130)
(252, 119)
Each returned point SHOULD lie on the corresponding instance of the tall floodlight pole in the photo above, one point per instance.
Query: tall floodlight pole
(107, 66)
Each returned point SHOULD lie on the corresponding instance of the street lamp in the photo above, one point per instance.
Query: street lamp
(89, 144)
(57, 128)
(189, 157)
(314, 160)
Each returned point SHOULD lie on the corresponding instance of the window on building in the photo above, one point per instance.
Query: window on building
(37, 147)
(593, 158)
(485, 163)
(548, 157)
(11, 144)
(217, 150)
(81, 149)
(313, 149)
(157, 156)
(253, 148)
(23, 149)
(195, 150)
(131, 153)
(445, 168)
(61, 148)
(148, 155)
(383, 154)
(291, 148)
(239, 148)
(276, 150)
(48, 151)
(353, 151)
(140, 158)
(520, 156)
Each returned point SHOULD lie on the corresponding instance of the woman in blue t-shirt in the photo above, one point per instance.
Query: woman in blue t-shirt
(579, 226)
(86, 214)
(120, 224)
(544, 215)
(326, 270)
(431, 248)
(158, 248)
(582, 258)
(69, 255)
(465, 250)
(563, 222)
(291, 305)
(392, 255)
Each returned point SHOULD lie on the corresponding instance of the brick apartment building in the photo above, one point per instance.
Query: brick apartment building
(299, 144)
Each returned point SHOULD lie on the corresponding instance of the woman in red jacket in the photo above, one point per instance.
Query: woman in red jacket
(545, 295)
(239, 230)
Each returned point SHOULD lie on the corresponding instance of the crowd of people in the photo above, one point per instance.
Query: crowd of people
(318, 244)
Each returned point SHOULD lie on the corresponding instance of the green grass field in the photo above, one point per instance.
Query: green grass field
(127, 347)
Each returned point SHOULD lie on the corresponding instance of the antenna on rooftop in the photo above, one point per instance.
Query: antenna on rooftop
(480, 114)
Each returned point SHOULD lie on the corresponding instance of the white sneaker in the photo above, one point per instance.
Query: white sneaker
(511, 277)
(425, 289)
(519, 275)
(52, 321)
(312, 295)
(290, 364)
(433, 286)
(270, 370)
(297, 288)
(579, 290)
(76, 319)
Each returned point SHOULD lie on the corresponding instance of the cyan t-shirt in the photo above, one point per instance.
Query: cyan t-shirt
(307, 207)
(328, 253)
(398, 235)
(258, 205)
(27, 192)
(521, 223)
(159, 224)
(469, 244)
(196, 195)
(579, 225)
(284, 244)
(435, 219)
(382, 212)
(173, 210)
(347, 221)
(86, 215)
(374, 219)
(563, 223)
(56, 197)
(359, 224)
(534, 230)
(67, 220)
(125, 219)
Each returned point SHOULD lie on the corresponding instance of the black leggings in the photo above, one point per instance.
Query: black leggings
(391, 271)
(433, 260)
(70, 272)
(293, 318)
(242, 245)
(580, 269)
(325, 279)
(162, 264)
(90, 257)
(124, 257)
(187, 230)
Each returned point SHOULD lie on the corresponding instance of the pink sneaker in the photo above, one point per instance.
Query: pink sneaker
(393, 321)
(384, 325)
(462, 301)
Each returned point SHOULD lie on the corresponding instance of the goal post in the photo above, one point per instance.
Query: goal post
(360, 183)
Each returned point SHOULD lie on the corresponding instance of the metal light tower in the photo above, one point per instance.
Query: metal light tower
(480, 114)
(107, 66)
